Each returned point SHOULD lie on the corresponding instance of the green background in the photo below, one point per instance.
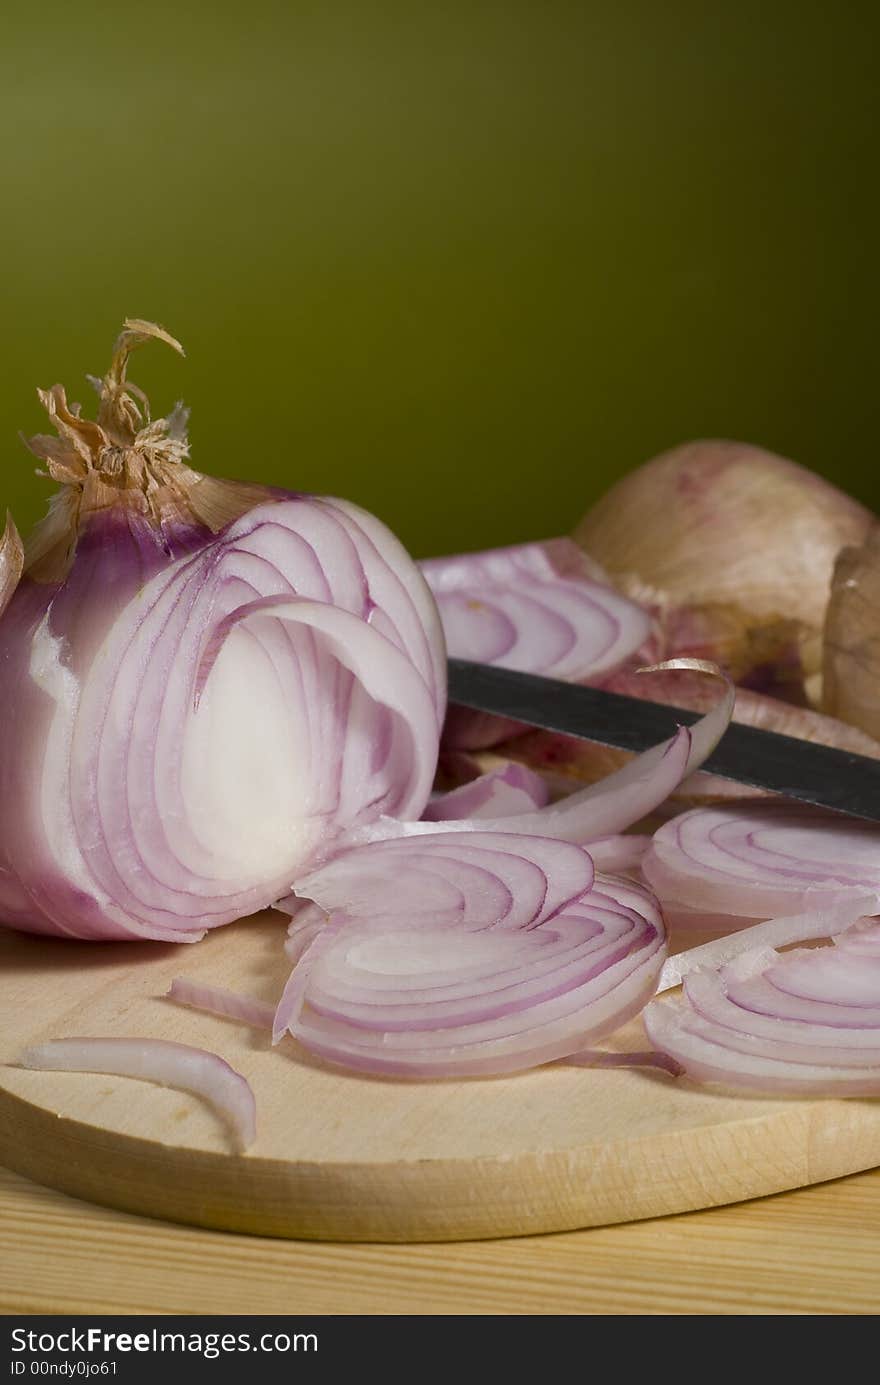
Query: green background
(464, 263)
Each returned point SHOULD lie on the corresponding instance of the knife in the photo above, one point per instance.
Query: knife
(817, 774)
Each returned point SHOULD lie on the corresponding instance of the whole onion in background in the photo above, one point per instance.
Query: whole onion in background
(204, 683)
(734, 548)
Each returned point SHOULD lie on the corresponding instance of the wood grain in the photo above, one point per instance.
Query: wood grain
(815, 1251)
(346, 1157)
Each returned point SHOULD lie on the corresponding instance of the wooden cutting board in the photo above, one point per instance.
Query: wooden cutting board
(346, 1157)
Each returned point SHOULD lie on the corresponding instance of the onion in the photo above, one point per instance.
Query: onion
(762, 860)
(647, 1058)
(621, 799)
(564, 762)
(157, 1060)
(464, 956)
(538, 608)
(11, 563)
(498, 793)
(488, 946)
(803, 1023)
(205, 685)
(217, 1000)
(623, 851)
(779, 932)
(851, 653)
(734, 548)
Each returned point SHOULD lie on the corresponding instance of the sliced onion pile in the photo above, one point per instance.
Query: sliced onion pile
(446, 956)
(218, 697)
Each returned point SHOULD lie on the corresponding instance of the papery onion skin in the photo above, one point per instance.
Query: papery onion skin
(11, 562)
(851, 644)
(191, 716)
(739, 541)
(157, 1060)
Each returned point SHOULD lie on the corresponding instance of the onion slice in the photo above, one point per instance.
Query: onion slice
(799, 928)
(567, 762)
(539, 608)
(217, 1000)
(497, 793)
(519, 607)
(157, 1060)
(645, 1058)
(615, 803)
(804, 1023)
(469, 956)
(762, 860)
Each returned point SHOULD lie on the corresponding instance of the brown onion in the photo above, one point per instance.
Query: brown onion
(734, 547)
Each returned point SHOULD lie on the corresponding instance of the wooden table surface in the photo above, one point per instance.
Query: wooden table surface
(814, 1251)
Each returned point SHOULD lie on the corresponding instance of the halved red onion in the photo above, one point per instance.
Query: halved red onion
(762, 860)
(217, 1000)
(502, 792)
(156, 1060)
(449, 955)
(537, 607)
(184, 736)
(804, 1023)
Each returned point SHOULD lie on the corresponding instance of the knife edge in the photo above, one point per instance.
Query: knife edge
(841, 781)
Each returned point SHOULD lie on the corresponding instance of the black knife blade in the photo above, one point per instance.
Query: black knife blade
(819, 774)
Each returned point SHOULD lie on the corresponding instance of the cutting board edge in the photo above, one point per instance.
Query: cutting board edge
(442, 1199)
